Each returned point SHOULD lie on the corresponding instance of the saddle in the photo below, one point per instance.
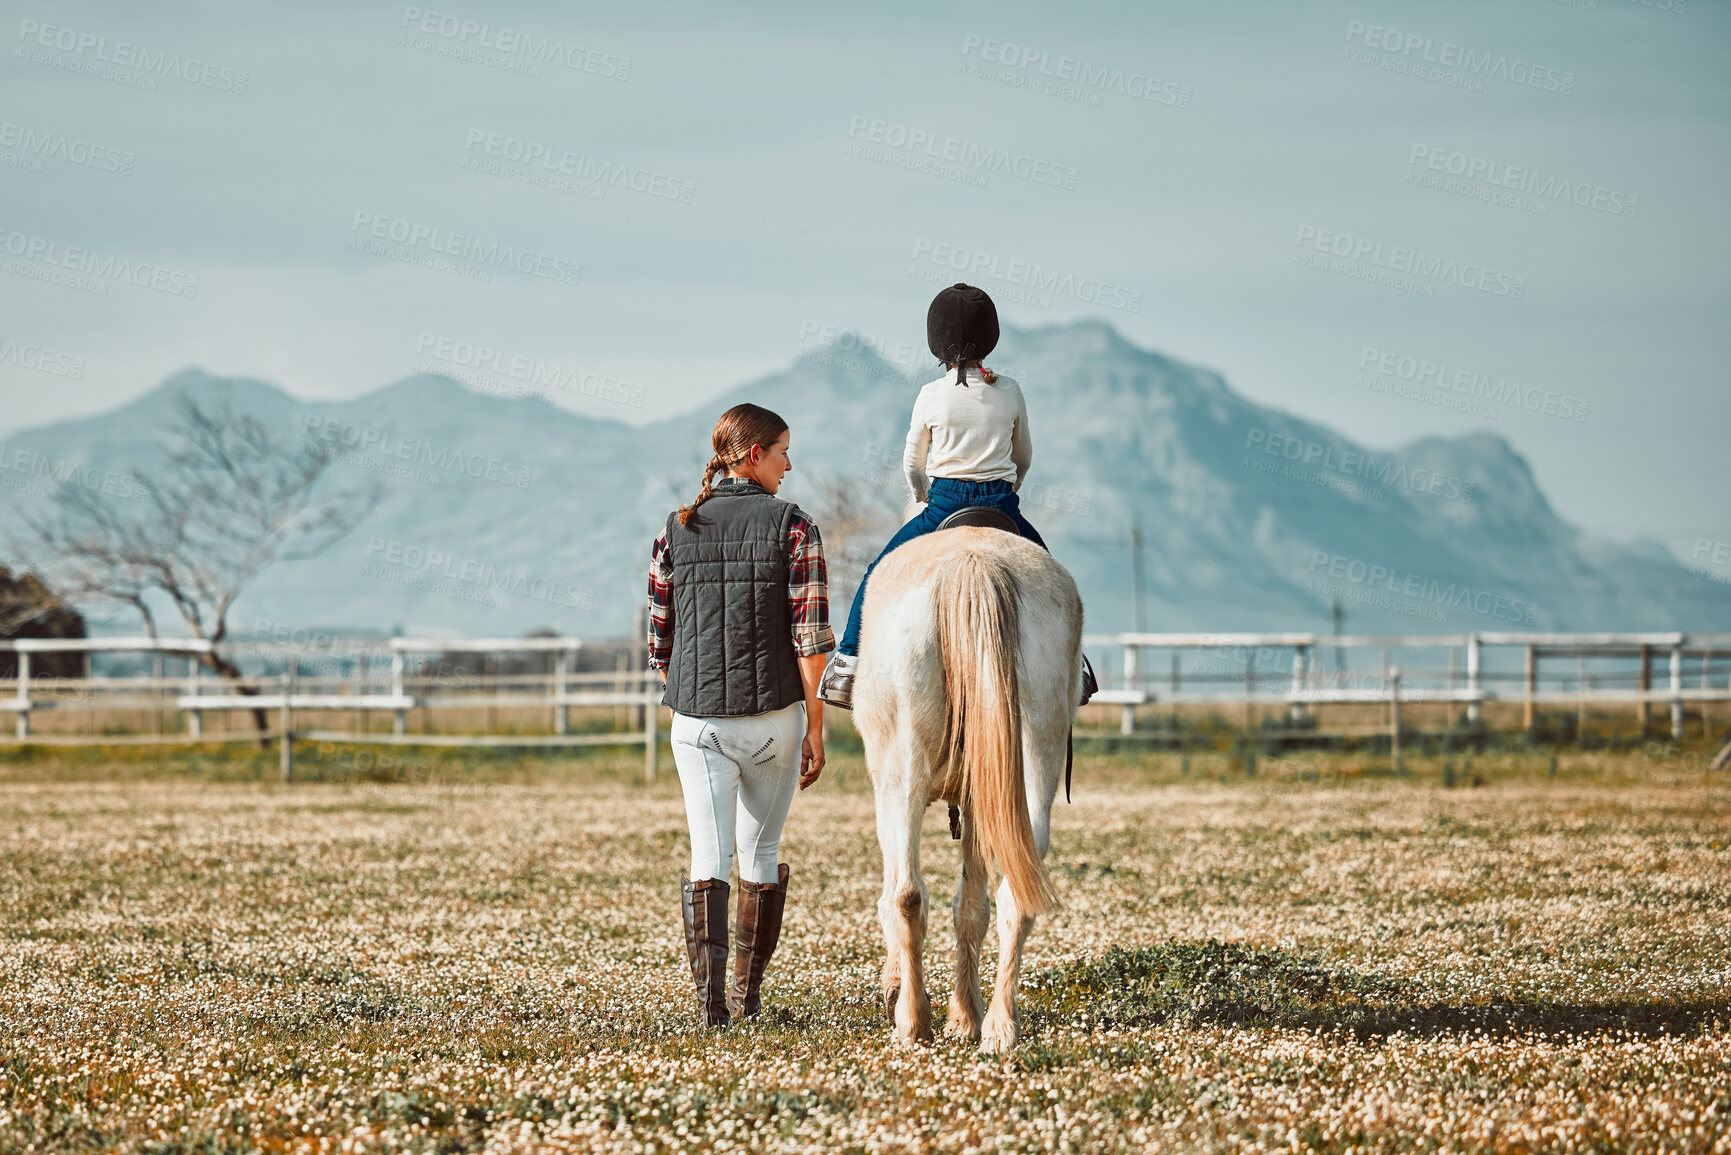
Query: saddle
(985, 516)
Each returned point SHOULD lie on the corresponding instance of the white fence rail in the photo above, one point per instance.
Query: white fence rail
(1299, 680)
(197, 692)
(1242, 669)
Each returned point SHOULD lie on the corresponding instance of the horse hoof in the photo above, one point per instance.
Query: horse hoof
(917, 1037)
(998, 1038)
(962, 1029)
(888, 1001)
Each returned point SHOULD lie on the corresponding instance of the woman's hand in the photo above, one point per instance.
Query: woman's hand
(811, 757)
(811, 750)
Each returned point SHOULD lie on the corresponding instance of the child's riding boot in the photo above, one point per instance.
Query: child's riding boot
(1089, 684)
(837, 685)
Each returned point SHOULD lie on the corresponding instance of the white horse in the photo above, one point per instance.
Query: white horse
(970, 670)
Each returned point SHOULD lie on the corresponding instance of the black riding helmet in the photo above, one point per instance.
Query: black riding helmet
(961, 326)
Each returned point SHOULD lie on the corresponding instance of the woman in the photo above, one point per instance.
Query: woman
(738, 627)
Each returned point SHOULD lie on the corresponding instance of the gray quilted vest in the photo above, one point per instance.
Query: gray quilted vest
(732, 631)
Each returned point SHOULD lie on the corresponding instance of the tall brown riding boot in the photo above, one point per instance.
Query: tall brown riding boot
(705, 908)
(760, 907)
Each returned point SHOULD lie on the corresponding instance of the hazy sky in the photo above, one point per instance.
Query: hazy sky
(330, 196)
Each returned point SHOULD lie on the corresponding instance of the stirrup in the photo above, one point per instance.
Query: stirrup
(1089, 683)
(836, 688)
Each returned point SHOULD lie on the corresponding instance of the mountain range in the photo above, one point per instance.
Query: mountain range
(503, 513)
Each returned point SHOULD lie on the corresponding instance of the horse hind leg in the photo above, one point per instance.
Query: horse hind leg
(902, 911)
(1003, 1025)
(973, 914)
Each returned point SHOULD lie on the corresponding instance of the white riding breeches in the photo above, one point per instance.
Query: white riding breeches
(739, 776)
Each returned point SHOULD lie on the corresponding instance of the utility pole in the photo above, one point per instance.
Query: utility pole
(1339, 654)
(1133, 654)
(1135, 577)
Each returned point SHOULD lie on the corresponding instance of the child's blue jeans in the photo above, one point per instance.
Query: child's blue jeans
(946, 496)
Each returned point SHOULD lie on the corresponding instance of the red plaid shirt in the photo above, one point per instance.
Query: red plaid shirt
(807, 587)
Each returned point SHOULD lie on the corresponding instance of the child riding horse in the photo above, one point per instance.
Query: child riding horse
(970, 435)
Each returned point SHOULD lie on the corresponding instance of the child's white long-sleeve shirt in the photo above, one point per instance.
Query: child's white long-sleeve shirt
(973, 432)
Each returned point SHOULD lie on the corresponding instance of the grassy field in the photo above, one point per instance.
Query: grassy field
(486, 954)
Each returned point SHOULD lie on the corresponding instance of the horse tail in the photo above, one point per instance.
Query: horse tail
(976, 625)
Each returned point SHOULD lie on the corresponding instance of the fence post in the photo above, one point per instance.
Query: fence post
(1249, 683)
(1298, 664)
(22, 726)
(1475, 681)
(1173, 696)
(561, 712)
(400, 722)
(1644, 683)
(285, 746)
(1394, 716)
(1532, 683)
(195, 719)
(1677, 692)
(1127, 720)
(651, 733)
(640, 624)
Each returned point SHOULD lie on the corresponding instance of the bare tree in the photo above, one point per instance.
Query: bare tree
(855, 517)
(23, 600)
(232, 499)
(29, 609)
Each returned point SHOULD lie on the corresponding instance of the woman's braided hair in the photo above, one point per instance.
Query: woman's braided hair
(740, 428)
